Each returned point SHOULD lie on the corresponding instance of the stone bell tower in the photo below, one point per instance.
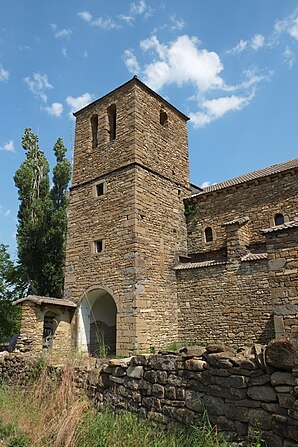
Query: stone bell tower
(126, 218)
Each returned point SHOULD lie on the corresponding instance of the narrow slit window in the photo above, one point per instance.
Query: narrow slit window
(94, 128)
(98, 246)
(163, 118)
(279, 219)
(208, 234)
(112, 121)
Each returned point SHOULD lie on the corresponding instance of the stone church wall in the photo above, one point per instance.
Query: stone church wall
(226, 302)
(259, 200)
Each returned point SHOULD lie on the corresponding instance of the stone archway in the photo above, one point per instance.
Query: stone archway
(97, 323)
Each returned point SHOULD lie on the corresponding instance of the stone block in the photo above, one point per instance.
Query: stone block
(271, 439)
(282, 427)
(193, 401)
(286, 400)
(158, 391)
(164, 363)
(262, 393)
(260, 419)
(282, 378)
(195, 365)
(240, 414)
(214, 405)
(135, 372)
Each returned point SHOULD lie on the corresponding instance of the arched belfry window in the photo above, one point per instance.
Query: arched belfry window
(94, 128)
(279, 219)
(112, 121)
(208, 234)
(163, 117)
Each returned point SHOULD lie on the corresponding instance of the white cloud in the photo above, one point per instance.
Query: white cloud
(241, 46)
(4, 74)
(77, 103)
(131, 61)
(138, 8)
(56, 109)
(61, 33)
(288, 25)
(8, 146)
(64, 52)
(217, 107)
(85, 15)
(256, 42)
(37, 84)
(105, 23)
(206, 184)
(293, 30)
(182, 62)
(128, 19)
(176, 24)
(4, 213)
(289, 56)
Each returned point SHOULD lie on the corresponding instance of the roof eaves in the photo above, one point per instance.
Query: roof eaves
(196, 265)
(251, 176)
(285, 226)
(134, 80)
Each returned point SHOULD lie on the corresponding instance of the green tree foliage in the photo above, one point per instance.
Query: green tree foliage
(42, 217)
(9, 314)
(57, 222)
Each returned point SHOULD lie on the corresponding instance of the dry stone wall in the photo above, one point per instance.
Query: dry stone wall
(253, 391)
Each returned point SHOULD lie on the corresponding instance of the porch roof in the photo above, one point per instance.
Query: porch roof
(39, 300)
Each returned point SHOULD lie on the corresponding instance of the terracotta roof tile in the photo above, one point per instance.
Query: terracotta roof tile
(46, 300)
(254, 257)
(197, 265)
(292, 224)
(270, 170)
(240, 221)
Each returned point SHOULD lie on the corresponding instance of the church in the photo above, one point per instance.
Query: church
(152, 259)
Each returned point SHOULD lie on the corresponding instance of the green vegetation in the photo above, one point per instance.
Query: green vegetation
(9, 315)
(52, 414)
(42, 218)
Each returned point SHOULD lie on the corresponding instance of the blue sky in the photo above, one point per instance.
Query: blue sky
(230, 65)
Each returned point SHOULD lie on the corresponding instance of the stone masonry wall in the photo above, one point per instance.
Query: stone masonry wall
(258, 200)
(139, 217)
(253, 391)
(229, 302)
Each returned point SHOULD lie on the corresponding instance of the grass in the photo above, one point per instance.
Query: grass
(52, 414)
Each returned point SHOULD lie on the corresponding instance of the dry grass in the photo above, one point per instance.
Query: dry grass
(48, 412)
(51, 413)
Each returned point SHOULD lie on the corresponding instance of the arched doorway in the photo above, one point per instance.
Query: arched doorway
(97, 323)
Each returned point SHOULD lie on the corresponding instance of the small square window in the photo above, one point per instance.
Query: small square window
(99, 189)
(98, 246)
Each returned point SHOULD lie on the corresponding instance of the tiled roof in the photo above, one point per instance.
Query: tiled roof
(46, 300)
(270, 170)
(292, 224)
(197, 265)
(236, 221)
(254, 257)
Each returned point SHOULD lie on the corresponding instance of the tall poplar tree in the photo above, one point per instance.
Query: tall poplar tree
(57, 222)
(42, 217)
